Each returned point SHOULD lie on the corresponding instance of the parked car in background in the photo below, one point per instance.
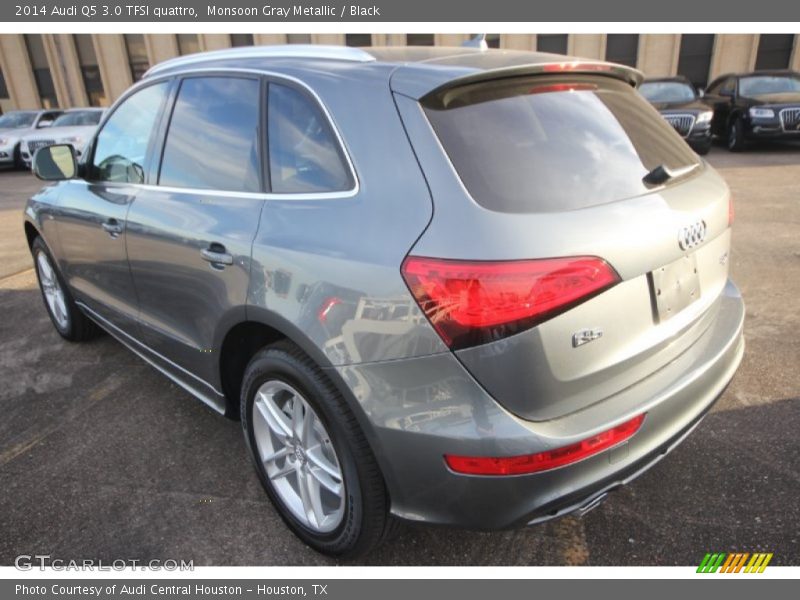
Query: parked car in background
(762, 105)
(75, 127)
(678, 102)
(17, 124)
(510, 302)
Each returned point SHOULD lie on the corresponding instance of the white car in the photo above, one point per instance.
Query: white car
(17, 124)
(75, 126)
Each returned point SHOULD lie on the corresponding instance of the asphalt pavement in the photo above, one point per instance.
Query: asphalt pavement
(102, 457)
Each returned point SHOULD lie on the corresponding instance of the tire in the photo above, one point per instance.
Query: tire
(703, 148)
(736, 141)
(68, 320)
(352, 522)
(18, 163)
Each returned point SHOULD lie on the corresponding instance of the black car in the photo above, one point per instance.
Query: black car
(679, 103)
(757, 105)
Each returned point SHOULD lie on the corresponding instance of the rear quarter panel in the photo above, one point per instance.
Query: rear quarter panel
(345, 252)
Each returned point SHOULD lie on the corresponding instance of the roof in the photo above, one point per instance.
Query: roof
(413, 70)
(778, 72)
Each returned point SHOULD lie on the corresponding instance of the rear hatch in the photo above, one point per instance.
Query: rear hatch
(577, 246)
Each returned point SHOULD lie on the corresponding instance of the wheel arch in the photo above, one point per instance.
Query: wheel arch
(263, 327)
(31, 233)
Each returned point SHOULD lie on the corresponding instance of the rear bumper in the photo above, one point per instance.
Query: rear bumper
(419, 409)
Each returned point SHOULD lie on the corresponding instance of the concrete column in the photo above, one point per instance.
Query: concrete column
(62, 57)
(395, 39)
(658, 54)
(161, 47)
(794, 63)
(214, 41)
(332, 39)
(112, 58)
(380, 39)
(517, 41)
(107, 98)
(450, 39)
(733, 52)
(18, 72)
(270, 39)
(587, 45)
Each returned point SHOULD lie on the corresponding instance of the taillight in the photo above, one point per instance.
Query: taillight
(731, 211)
(544, 461)
(474, 302)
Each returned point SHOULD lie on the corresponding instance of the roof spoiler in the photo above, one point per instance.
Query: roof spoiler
(624, 73)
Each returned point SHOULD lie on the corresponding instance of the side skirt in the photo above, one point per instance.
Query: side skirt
(212, 398)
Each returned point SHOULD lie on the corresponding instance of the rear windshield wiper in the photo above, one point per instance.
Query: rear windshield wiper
(662, 174)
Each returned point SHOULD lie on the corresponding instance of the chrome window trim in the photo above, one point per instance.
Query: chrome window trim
(256, 195)
(308, 51)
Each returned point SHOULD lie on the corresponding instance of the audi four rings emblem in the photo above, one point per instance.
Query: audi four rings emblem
(692, 236)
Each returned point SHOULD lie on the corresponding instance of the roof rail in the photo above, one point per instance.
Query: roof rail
(345, 53)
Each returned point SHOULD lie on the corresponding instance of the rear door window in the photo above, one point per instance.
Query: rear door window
(545, 144)
(304, 154)
(212, 141)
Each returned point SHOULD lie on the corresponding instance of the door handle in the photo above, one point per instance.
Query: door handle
(112, 227)
(216, 255)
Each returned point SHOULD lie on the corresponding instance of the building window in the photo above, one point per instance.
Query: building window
(694, 60)
(241, 39)
(137, 55)
(493, 40)
(90, 71)
(419, 39)
(188, 43)
(41, 71)
(300, 38)
(555, 43)
(622, 48)
(774, 50)
(358, 39)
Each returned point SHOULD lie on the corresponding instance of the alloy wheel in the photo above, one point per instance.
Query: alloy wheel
(53, 294)
(298, 456)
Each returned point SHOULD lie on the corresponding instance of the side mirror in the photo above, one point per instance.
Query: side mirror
(55, 163)
(701, 93)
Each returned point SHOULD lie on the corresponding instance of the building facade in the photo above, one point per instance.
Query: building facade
(63, 70)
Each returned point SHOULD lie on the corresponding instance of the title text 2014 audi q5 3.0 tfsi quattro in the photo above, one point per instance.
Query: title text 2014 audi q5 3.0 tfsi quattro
(446, 285)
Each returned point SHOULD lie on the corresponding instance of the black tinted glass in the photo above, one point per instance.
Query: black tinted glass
(212, 142)
(122, 144)
(303, 153)
(667, 91)
(552, 143)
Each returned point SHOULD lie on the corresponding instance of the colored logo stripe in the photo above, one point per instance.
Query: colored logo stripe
(734, 562)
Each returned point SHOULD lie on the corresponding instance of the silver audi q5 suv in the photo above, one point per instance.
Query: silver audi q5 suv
(454, 286)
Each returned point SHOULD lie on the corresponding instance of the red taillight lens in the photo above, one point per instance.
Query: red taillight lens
(471, 302)
(731, 211)
(543, 461)
(575, 66)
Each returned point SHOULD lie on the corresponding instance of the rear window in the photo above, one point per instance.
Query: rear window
(545, 144)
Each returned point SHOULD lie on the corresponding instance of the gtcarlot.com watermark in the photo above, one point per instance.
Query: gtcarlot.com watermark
(29, 562)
